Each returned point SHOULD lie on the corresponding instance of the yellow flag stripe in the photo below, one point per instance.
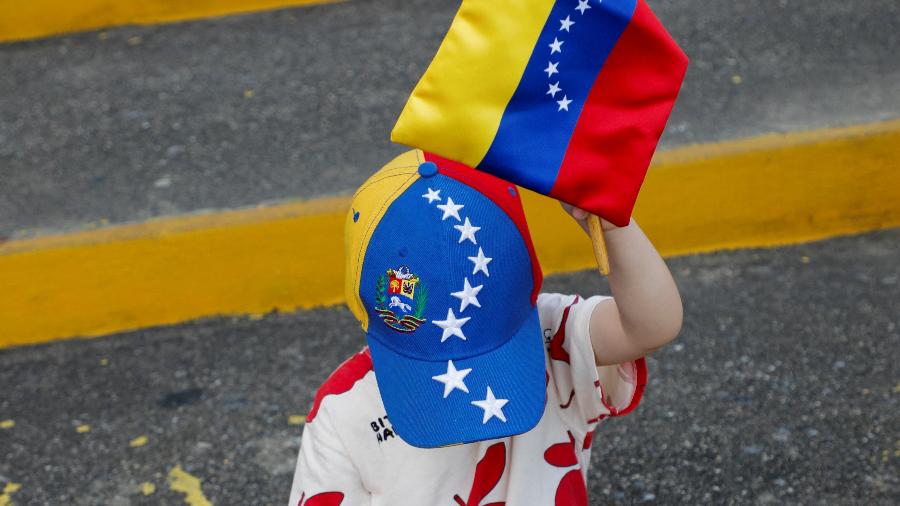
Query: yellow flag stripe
(468, 84)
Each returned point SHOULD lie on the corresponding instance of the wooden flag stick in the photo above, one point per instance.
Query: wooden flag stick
(599, 243)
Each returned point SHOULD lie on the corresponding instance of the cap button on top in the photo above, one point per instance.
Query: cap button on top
(428, 169)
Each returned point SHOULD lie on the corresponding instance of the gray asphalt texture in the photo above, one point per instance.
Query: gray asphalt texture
(782, 389)
(138, 122)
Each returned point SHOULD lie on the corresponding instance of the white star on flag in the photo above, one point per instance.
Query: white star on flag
(566, 24)
(551, 68)
(556, 46)
(554, 89)
(452, 325)
(492, 407)
(564, 103)
(468, 295)
(453, 379)
(450, 209)
(481, 263)
(582, 6)
(467, 231)
(432, 195)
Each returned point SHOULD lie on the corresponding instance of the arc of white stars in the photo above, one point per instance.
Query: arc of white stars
(551, 68)
(467, 231)
(450, 209)
(432, 195)
(468, 295)
(492, 406)
(481, 262)
(564, 103)
(452, 325)
(453, 379)
(556, 45)
(582, 6)
(554, 89)
(566, 23)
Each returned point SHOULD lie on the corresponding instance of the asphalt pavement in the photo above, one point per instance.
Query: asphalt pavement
(138, 122)
(783, 388)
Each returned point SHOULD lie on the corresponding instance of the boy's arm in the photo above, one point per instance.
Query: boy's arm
(646, 312)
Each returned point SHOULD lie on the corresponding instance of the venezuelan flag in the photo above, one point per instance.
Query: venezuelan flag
(565, 97)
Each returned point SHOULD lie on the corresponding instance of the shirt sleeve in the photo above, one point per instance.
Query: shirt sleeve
(587, 393)
(325, 475)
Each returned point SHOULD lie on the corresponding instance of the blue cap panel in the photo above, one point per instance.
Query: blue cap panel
(427, 413)
(431, 297)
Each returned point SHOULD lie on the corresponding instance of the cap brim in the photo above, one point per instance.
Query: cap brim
(422, 417)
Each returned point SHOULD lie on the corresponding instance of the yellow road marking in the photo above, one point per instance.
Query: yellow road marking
(770, 190)
(138, 442)
(7, 424)
(181, 481)
(8, 490)
(40, 18)
(170, 270)
(147, 488)
(764, 191)
(83, 429)
(296, 420)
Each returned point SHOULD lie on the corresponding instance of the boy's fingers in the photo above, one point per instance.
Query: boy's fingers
(578, 214)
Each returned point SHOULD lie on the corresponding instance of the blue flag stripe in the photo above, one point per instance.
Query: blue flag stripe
(534, 133)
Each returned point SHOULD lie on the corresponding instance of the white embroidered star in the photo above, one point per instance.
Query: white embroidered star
(452, 325)
(556, 46)
(566, 24)
(554, 89)
(468, 295)
(582, 6)
(453, 379)
(551, 68)
(492, 407)
(467, 231)
(450, 209)
(564, 103)
(432, 195)
(481, 263)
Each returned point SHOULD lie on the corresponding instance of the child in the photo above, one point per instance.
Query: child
(475, 389)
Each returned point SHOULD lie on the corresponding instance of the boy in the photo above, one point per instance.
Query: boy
(474, 388)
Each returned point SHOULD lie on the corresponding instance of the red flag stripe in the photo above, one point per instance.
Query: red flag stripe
(616, 135)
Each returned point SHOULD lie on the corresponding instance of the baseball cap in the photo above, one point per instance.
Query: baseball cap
(442, 275)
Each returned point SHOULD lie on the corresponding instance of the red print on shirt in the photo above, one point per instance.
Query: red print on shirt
(572, 491)
(488, 472)
(323, 499)
(558, 352)
(587, 441)
(342, 379)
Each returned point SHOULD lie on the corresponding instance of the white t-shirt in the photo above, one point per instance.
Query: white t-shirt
(350, 455)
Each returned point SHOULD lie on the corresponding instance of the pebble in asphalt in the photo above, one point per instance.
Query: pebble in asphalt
(782, 389)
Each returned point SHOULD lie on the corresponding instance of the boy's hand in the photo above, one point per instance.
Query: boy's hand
(580, 216)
